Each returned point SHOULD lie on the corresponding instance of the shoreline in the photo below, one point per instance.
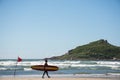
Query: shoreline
(79, 76)
(54, 78)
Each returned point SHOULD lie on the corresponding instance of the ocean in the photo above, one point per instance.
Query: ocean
(7, 67)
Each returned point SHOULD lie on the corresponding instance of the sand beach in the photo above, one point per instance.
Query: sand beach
(38, 78)
(63, 77)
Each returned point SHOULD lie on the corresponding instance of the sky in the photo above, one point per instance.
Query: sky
(44, 28)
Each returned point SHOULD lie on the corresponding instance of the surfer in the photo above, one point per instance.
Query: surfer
(45, 71)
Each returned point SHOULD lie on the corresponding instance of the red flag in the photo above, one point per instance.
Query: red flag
(19, 59)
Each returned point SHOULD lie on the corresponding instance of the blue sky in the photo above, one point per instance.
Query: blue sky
(45, 28)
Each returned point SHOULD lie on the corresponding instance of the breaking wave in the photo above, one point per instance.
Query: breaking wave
(25, 65)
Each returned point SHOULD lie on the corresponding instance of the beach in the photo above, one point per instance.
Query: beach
(38, 78)
(63, 77)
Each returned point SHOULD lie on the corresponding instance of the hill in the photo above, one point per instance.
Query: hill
(97, 50)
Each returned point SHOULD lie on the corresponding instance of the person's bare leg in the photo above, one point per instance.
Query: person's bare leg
(43, 74)
(47, 74)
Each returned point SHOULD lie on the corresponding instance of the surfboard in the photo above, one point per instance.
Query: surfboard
(42, 68)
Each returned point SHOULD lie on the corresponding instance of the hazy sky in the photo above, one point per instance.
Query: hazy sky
(45, 28)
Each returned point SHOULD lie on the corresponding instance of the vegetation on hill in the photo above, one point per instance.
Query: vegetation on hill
(97, 50)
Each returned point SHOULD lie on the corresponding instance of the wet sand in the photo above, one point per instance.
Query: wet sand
(59, 78)
(38, 78)
(64, 77)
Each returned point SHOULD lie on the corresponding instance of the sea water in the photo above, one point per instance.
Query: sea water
(7, 67)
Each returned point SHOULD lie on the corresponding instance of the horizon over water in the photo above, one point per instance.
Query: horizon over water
(67, 67)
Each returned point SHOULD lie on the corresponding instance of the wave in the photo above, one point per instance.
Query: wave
(109, 62)
(25, 65)
(25, 69)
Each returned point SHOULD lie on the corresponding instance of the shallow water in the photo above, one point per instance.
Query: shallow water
(7, 67)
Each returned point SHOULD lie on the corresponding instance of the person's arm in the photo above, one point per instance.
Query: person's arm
(45, 65)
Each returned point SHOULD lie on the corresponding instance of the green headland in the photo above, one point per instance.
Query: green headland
(97, 50)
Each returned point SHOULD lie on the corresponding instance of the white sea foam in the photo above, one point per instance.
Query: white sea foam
(65, 67)
(27, 69)
(7, 63)
(3, 68)
(23, 63)
(108, 62)
(62, 64)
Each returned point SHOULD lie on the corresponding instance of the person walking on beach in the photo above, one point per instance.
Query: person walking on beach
(45, 71)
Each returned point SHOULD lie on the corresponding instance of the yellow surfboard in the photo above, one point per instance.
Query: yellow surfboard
(44, 68)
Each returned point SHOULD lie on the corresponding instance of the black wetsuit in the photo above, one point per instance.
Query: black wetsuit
(45, 71)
